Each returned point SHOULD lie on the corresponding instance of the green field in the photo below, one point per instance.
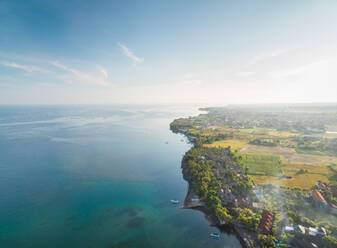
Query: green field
(261, 164)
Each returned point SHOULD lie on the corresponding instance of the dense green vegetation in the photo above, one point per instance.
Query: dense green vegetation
(266, 241)
(204, 183)
(316, 146)
(208, 178)
(248, 218)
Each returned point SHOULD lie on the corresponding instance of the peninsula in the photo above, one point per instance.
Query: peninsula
(266, 173)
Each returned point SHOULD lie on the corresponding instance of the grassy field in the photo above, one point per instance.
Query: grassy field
(235, 144)
(305, 181)
(267, 163)
(266, 133)
(263, 164)
(312, 174)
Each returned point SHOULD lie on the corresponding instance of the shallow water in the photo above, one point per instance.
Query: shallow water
(96, 176)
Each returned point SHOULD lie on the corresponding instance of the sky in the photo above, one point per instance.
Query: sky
(163, 52)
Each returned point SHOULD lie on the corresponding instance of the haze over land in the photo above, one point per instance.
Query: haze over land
(214, 52)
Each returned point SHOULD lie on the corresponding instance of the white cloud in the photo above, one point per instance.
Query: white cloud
(255, 67)
(104, 71)
(190, 79)
(319, 70)
(245, 73)
(268, 55)
(58, 65)
(128, 53)
(82, 76)
(27, 68)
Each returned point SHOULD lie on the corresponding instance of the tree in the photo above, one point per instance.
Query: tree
(222, 214)
(247, 217)
(266, 241)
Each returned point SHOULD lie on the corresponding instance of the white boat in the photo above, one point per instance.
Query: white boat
(174, 201)
(214, 235)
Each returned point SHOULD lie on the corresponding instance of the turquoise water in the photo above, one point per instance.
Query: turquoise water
(96, 176)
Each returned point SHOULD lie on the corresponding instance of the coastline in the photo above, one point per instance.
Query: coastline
(210, 215)
(234, 167)
(189, 204)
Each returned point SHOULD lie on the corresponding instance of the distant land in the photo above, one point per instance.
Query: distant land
(267, 172)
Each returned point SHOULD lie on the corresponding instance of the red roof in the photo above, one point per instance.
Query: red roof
(318, 196)
(265, 220)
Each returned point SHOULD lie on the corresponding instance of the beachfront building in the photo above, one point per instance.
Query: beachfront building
(316, 232)
(300, 229)
(322, 186)
(319, 200)
(259, 205)
(266, 221)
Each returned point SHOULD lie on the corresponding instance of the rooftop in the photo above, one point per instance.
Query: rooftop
(318, 196)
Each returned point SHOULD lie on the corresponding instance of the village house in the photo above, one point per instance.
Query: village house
(298, 229)
(265, 222)
(325, 186)
(319, 200)
(314, 232)
(258, 205)
(322, 186)
(226, 195)
(317, 232)
(241, 202)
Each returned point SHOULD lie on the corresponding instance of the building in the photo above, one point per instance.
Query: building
(323, 186)
(258, 205)
(226, 195)
(318, 199)
(317, 232)
(289, 229)
(300, 229)
(265, 222)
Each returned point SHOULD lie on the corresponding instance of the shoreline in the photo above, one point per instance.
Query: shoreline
(209, 215)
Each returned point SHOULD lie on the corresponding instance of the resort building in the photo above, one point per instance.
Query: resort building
(265, 222)
(258, 205)
(318, 231)
(300, 229)
(318, 199)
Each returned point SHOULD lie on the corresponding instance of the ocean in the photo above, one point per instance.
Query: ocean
(96, 176)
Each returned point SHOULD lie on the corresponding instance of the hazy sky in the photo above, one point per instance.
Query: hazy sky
(216, 52)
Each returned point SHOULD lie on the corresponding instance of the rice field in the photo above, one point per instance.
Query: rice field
(305, 181)
(235, 144)
(267, 163)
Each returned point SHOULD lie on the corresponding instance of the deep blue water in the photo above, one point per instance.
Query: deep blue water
(96, 176)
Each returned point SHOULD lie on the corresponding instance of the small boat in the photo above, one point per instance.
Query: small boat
(174, 201)
(214, 235)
